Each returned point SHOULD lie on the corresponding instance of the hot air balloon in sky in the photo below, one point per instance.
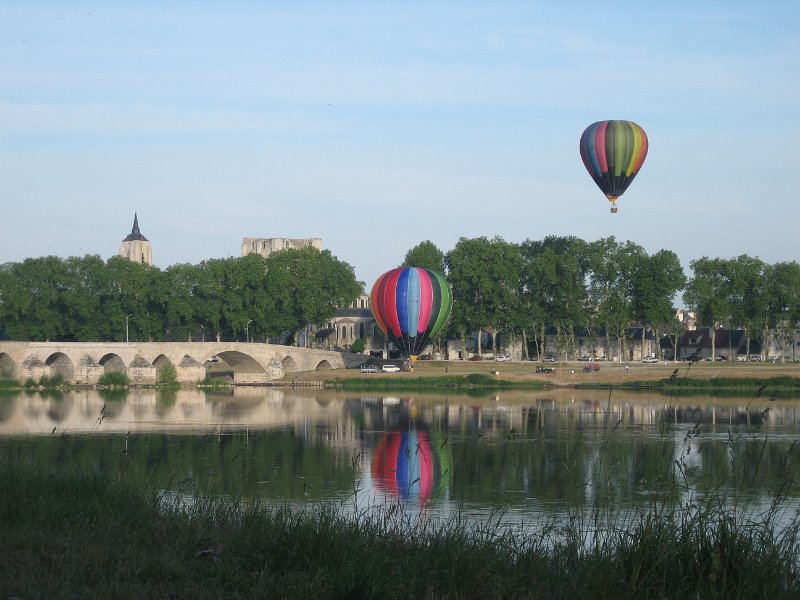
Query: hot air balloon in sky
(411, 305)
(613, 152)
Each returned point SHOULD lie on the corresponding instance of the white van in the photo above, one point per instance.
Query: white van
(391, 369)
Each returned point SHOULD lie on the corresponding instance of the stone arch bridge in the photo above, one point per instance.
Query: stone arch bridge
(243, 363)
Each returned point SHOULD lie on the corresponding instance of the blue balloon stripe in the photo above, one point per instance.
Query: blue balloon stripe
(402, 300)
(413, 301)
(592, 150)
(401, 472)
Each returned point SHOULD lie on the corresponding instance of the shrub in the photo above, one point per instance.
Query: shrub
(358, 346)
(8, 383)
(216, 382)
(167, 374)
(114, 378)
(57, 380)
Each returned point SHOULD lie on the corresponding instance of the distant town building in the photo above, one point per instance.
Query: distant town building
(266, 246)
(687, 318)
(136, 247)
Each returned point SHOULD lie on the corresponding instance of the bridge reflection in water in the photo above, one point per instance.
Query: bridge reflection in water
(530, 454)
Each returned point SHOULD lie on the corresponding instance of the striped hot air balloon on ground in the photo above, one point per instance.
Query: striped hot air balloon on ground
(411, 305)
(613, 152)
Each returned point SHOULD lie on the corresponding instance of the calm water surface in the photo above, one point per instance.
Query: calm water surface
(522, 457)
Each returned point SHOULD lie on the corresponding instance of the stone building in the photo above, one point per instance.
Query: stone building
(136, 247)
(350, 324)
(266, 246)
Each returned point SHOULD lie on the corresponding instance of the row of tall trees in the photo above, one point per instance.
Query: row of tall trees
(747, 293)
(86, 298)
(564, 283)
(606, 286)
(561, 282)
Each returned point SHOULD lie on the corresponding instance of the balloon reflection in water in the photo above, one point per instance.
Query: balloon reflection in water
(411, 464)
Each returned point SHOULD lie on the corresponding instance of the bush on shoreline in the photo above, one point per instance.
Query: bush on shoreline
(113, 379)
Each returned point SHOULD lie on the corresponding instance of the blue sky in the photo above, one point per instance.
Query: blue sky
(377, 125)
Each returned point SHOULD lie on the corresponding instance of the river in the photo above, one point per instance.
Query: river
(520, 457)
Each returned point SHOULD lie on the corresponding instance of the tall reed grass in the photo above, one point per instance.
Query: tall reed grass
(72, 534)
(81, 536)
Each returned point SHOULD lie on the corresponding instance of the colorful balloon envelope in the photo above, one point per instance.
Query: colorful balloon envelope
(411, 305)
(613, 152)
(411, 464)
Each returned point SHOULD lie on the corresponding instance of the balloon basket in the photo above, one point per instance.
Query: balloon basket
(614, 209)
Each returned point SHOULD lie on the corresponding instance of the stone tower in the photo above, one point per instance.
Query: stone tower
(266, 246)
(136, 247)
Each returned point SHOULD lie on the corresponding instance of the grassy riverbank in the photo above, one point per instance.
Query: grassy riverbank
(766, 387)
(94, 536)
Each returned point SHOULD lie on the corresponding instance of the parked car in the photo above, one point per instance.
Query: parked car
(591, 367)
(425, 357)
(773, 359)
(503, 358)
(754, 357)
(650, 359)
(476, 357)
(549, 359)
(585, 358)
(693, 358)
(545, 370)
(390, 369)
(369, 368)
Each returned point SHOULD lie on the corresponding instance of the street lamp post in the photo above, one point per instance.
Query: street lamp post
(247, 330)
(126, 326)
(204, 332)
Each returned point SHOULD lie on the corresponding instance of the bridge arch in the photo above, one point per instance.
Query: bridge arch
(323, 365)
(239, 361)
(113, 363)
(8, 368)
(289, 365)
(61, 363)
(160, 363)
(243, 367)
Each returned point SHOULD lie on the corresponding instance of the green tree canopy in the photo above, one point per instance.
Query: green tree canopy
(484, 275)
(425, 255)
(86, 299)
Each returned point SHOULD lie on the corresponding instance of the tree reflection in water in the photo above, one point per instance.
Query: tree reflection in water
(529, 454)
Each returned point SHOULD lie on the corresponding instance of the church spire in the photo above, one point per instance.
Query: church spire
(135, 230)
(135, 234)
(136, 247)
